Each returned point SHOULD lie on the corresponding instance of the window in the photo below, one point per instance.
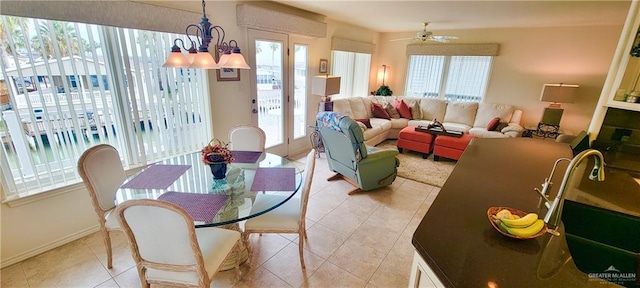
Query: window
(455, 78)
(92, 84)
(353, 68)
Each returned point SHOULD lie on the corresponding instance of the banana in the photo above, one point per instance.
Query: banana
(529, 231)
(522, 222)
(503, 214)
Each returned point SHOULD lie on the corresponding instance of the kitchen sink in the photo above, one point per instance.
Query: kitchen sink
(603, 243)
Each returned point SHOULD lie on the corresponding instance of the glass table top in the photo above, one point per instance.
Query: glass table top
(216, 202)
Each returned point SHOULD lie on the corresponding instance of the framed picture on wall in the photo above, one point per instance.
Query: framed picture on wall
(226, 74)
(323, 66)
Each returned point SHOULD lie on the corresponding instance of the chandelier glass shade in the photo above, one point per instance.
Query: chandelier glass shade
(201, 58)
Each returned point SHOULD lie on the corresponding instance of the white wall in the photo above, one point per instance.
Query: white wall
(36, 227)
(528, 58)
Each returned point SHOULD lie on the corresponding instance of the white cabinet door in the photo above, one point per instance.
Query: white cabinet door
(421, 274)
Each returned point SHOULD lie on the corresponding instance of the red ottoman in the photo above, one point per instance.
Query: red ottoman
(450, 147)
(410, 139)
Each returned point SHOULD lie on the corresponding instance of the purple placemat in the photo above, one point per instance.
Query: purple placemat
(246, 156)
(201, 207)
(274, 179)
(157, 177)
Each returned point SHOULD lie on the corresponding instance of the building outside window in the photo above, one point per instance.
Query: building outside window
(91, 84)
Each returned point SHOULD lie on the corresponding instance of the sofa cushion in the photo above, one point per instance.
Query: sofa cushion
(378, 111)
(403, 109)
(461, 112)
(484, 133)
(359, 108)
(493, 124)
(415, 111)
(391, 110)
(365, 121)
(431, 108)
(343, 106)
(399, 123)
(488, 111)
(379, 122)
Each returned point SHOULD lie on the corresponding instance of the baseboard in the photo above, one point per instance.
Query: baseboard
(49, 246)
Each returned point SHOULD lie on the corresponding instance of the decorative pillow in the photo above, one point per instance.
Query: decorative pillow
(415, 111)
(393, 113)
(366, 122)
(493, 124)
(403, 109)
(501, 126)
(379, 112)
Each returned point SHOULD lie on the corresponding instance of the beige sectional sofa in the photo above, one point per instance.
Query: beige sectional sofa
(469, 117)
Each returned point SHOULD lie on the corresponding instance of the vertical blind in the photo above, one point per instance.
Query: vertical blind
(72, 85)
(455, 78)
(353, 68)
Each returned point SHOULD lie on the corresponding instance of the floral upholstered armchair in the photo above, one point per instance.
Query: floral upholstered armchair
(366, 168)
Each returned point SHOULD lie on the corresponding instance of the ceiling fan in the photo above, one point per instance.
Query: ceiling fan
(424, 35)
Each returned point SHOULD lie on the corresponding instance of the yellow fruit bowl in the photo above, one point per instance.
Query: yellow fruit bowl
(491, 214)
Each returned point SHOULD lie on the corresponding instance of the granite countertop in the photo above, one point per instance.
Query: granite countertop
(456, 239)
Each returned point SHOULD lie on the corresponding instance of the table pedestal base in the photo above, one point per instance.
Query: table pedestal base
(230, 262)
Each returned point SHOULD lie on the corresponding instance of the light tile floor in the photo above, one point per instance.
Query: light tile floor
(363, 240)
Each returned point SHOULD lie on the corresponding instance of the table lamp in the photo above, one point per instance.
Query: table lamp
(325, 86)
(556, 94)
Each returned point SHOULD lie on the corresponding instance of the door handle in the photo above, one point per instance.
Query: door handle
(254, 111)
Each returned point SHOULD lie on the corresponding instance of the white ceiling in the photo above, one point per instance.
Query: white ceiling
(403, 16)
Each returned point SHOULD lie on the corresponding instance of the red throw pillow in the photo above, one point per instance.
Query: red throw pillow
(379, 112)
(493, 124)
(403, 109)
(366, 122)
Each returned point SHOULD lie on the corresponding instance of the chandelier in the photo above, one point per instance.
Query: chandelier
(201, 58)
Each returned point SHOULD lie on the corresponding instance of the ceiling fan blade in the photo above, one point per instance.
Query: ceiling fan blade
(401, 39)
(443, 37)
(439, 40)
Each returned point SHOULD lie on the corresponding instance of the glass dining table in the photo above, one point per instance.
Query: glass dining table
(186, 181)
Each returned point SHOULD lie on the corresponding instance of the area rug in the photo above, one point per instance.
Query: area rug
(413, 167)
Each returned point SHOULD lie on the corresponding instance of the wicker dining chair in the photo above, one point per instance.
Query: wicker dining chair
(102, 173)
(247, 138)
(168, 250)
(289, 217)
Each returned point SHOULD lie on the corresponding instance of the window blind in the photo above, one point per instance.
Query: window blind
(90, 84)
(353, 68)
(456, 78)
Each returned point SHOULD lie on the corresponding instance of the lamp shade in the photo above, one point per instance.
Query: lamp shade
(559, 93)
(325, 85)
(234, 60)
(176, 60)
(204, 60)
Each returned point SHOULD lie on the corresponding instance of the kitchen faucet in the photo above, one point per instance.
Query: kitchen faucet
(554, 208)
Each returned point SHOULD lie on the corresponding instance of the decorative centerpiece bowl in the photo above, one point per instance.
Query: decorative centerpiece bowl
(217, 156)
(491, 213)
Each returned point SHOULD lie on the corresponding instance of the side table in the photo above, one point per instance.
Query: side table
(542, 130)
